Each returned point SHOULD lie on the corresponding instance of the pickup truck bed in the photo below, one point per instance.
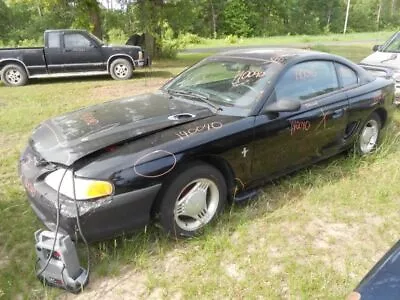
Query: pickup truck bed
(32, 58)
(69, 53)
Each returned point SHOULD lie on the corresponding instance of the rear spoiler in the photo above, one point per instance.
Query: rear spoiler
(378, 71)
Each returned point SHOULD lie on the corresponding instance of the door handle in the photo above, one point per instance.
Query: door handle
(338, 113)
(68, 50)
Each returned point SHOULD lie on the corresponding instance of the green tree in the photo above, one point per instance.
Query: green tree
(4, 20)
(237, 15)
(88, 15)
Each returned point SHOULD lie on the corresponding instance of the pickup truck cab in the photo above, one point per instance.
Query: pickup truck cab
(69, 53)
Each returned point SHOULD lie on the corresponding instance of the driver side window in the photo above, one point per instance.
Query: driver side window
(307, 80)
(75, 40)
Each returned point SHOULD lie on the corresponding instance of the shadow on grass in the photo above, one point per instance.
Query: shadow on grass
(142, 74)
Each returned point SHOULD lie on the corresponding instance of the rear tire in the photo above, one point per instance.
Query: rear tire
(368, 138)
(14, 75)
(192, 200)
(121, 69)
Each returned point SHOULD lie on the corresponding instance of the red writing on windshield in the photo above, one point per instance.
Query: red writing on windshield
(246, 76)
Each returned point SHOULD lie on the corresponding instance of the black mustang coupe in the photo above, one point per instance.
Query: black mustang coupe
(208, 137)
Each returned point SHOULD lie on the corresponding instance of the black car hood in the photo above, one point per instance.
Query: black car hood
(67, 138)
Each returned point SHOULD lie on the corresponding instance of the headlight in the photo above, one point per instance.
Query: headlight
(85, 189)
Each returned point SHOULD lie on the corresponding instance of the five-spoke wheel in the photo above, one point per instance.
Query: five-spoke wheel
(369, 135)
(192, 199)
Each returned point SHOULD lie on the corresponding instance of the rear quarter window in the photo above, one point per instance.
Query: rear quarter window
(53, 40)
(347, 75)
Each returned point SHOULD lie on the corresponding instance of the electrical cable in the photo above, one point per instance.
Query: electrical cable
(80, 229)
(57, 227)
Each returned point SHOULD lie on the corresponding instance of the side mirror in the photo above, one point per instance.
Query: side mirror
(93, 45)
(283, 105)
(376, 48)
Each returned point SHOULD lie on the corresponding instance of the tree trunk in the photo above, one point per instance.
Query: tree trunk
(393, 7)
(214, 20)
(96, 21)
(378, 17)
(39, 11)
(91, 7)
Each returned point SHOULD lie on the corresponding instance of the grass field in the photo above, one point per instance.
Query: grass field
(371, 37)
(311, 235)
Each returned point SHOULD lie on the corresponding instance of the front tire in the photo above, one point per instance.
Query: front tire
(121, 69)
(192, 200)
(368, 137)
(14, 75)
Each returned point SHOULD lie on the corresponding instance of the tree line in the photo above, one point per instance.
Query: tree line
(172, 22)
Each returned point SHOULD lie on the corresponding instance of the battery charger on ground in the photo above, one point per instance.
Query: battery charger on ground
(58, 263)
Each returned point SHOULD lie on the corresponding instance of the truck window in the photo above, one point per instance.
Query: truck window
(75, 40)
(53, 40)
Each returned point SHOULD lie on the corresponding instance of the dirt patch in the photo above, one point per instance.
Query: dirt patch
(233, 271)
(4, 262)
(131, 285)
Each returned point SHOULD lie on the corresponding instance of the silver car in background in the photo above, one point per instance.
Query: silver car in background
(386, 56)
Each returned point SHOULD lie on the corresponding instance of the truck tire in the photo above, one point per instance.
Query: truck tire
(14, 75)
(121, 69)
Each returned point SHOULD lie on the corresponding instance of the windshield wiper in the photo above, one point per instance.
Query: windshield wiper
(392, 57)
(194, 94)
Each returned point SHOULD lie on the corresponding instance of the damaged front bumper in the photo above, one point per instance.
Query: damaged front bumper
(99, 219)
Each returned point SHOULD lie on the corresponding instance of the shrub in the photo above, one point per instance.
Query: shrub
(305, 39)
(29, 43)
(232, 39)
(116, 36)
(190, 38)
(168, 44)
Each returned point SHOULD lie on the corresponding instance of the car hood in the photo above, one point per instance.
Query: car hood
(67, 138)
(383, 59)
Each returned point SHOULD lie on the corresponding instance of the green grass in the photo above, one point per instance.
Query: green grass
(372, 37)
(311, 235)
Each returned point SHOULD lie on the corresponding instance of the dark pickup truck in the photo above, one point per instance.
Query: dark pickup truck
(69, 53)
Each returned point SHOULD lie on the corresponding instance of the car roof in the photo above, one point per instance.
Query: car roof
(66, 30)
(268, 54)
(286, 55)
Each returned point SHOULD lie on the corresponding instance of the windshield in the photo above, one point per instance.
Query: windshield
(227, 83)
(393, 45)
(96, 39)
